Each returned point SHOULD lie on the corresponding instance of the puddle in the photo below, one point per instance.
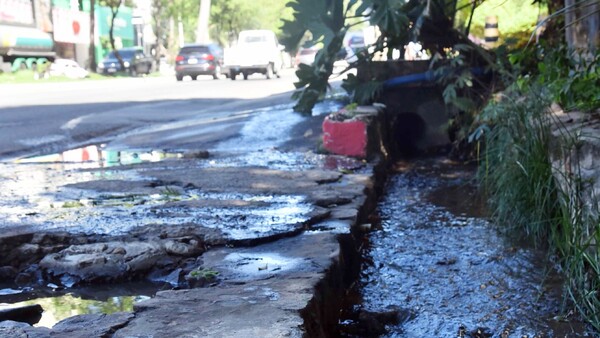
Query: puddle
(263, 216)
(439, 262)
(277, 160)
(260, 264)
(98, 156)
(60, 304)
(48, 207)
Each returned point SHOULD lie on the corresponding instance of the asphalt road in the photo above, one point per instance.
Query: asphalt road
(41, 118)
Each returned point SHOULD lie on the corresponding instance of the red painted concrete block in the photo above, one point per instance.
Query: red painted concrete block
(347, 138)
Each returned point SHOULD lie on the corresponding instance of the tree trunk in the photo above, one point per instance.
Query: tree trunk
(156, 14)
(581, 26)
(92, 50)
(115, 12)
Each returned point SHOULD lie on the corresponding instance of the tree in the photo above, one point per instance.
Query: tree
(159, 21)
(92, 49)
(431, 22)
(229, 17)
(114, 6)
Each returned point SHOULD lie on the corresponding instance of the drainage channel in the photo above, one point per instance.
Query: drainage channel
(437, 267)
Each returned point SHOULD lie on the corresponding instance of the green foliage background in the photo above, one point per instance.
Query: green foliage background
(514, 16)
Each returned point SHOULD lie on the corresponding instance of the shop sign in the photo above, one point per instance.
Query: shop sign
(122, 26)
(17, 12)
(71, 26)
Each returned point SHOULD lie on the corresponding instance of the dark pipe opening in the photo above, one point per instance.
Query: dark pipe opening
(408, 131)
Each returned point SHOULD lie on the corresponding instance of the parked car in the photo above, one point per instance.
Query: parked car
(257, 51)
(134, 59)
(356, 41)
(68, 68)
(199, 59)
(306, 55)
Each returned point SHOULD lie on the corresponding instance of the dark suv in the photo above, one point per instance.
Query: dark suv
(194, 60)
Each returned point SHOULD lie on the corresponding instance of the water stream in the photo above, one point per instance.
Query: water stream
(439, 268)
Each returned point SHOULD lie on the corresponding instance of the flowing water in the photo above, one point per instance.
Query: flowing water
(437, 267)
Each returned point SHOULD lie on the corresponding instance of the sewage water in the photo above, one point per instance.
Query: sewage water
(442, 269)
(59, 304)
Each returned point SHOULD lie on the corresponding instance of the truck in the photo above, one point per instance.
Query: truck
(25, 40)
(256, 51)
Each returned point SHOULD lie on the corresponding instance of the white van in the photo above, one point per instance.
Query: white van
(257, 51)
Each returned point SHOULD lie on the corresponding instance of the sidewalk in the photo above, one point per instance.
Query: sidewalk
(262, 237)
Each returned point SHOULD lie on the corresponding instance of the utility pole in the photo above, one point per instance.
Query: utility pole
(203, 18)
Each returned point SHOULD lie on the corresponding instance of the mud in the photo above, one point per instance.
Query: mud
(262, 237)
(439, 268)
(185, 218)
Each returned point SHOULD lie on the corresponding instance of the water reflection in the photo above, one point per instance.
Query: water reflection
(68, 305)
(98, 156)
(438, 258)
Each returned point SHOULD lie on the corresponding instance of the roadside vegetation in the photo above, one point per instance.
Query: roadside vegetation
(530, 160)
(28, 76)
(531, 166)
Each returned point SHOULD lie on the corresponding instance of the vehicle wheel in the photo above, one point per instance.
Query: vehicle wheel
(217, 73)
(269, 71)
(179, 77)
(232, 75)
(194, 77)
(133, 72)
(245, 76)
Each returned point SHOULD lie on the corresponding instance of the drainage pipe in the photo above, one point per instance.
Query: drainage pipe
(428, 76)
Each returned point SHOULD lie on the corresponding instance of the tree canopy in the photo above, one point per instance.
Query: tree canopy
(227, 17)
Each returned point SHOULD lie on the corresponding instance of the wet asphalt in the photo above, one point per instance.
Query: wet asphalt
(435, 259)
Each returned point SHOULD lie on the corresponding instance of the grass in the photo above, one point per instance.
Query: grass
(27, 76)
(534, 182)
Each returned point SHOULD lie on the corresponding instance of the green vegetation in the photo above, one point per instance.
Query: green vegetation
(62, 307)
(529, 160)
(531, 164)
(204, 273)
(515, 17)
(399, 22)
(227, 18)
(533, 179)
(27, 76)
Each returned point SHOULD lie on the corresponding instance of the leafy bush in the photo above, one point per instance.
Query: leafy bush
(530, 169)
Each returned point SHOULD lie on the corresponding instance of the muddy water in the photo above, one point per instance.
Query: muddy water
(438, 267)
(59, 304)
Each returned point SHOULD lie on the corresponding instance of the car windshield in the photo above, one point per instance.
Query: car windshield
(194, 50)
(126, 54)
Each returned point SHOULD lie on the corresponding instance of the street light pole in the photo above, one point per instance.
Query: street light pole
(203, 18)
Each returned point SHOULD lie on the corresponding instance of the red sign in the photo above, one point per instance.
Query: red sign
(71, 26)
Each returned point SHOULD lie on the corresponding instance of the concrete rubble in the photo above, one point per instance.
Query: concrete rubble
(269, 275)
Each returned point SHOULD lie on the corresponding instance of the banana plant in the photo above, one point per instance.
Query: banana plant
(430, 22)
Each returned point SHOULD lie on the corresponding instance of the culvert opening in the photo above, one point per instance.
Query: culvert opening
(407, 134)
